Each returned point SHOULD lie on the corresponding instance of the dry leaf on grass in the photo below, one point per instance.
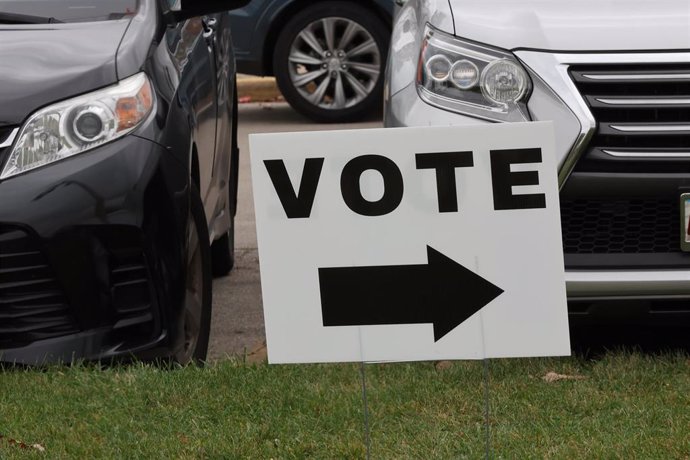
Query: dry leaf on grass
(554, 377)
(20, 444)
(258, 355)
(443, 365)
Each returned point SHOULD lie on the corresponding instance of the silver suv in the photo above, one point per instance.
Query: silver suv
(614, 76)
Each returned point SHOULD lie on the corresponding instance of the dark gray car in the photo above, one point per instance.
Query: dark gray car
(118, 177)
(327, 56)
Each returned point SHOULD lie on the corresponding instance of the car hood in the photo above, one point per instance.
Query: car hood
(581, 25)
(48, 63)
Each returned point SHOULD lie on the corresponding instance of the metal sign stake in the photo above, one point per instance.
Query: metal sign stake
(486, 407)
(367, 437)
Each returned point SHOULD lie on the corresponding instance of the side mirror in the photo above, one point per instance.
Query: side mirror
(179, 10)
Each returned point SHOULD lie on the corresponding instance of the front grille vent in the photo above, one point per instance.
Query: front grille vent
(620, 226)
(131, 288)
(642, 115)
(32, 305)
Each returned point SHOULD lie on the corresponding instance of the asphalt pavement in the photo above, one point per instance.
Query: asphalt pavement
(237, 327)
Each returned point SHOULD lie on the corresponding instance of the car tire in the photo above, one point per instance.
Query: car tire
(196, 315)
(329, 61)
(223, 252)
(223, 249)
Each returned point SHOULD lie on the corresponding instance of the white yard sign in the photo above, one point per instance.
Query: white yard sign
(410, 244)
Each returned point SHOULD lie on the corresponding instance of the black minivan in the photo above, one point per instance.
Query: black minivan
(118, 176)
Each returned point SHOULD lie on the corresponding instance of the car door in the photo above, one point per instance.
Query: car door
(192, 48)
(226, 157)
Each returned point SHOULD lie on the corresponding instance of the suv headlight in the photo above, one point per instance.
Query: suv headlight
(471, 79)
(77, 125)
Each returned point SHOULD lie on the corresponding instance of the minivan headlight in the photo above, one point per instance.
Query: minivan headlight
(471, 79)
(79, 124)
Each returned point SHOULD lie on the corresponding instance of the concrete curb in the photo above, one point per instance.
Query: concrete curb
(257, 89)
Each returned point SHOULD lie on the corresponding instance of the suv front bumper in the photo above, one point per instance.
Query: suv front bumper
(661, 291)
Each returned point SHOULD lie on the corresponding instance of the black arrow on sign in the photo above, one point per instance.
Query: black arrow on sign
(442, 292)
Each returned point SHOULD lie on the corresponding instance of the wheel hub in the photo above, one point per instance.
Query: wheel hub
(334, 64)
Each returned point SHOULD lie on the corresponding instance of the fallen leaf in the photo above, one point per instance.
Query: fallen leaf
(258, 355)
(443, 365)
(20, 444)
(554, 377)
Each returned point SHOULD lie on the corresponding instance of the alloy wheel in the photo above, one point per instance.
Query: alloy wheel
(334, 63)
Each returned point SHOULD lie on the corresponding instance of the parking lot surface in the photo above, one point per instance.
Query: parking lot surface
(237, 326)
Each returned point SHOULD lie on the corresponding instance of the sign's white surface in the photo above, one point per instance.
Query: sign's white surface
(371, 233)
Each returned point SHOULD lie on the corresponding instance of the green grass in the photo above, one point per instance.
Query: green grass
(627, 406)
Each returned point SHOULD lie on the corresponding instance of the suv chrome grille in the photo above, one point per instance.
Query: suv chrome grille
(642, 114)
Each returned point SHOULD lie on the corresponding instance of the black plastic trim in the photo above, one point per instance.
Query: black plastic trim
(627, 185)
(650, 261)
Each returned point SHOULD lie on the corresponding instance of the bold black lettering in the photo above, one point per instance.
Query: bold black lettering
(392, 185)
(445, 163)
(503, 179)
(295, 205)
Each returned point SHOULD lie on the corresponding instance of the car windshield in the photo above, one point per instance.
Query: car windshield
(48, 11)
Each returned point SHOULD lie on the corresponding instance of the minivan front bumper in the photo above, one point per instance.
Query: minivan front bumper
(92, 257)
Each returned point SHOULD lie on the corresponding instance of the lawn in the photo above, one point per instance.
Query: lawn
(622, 405)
